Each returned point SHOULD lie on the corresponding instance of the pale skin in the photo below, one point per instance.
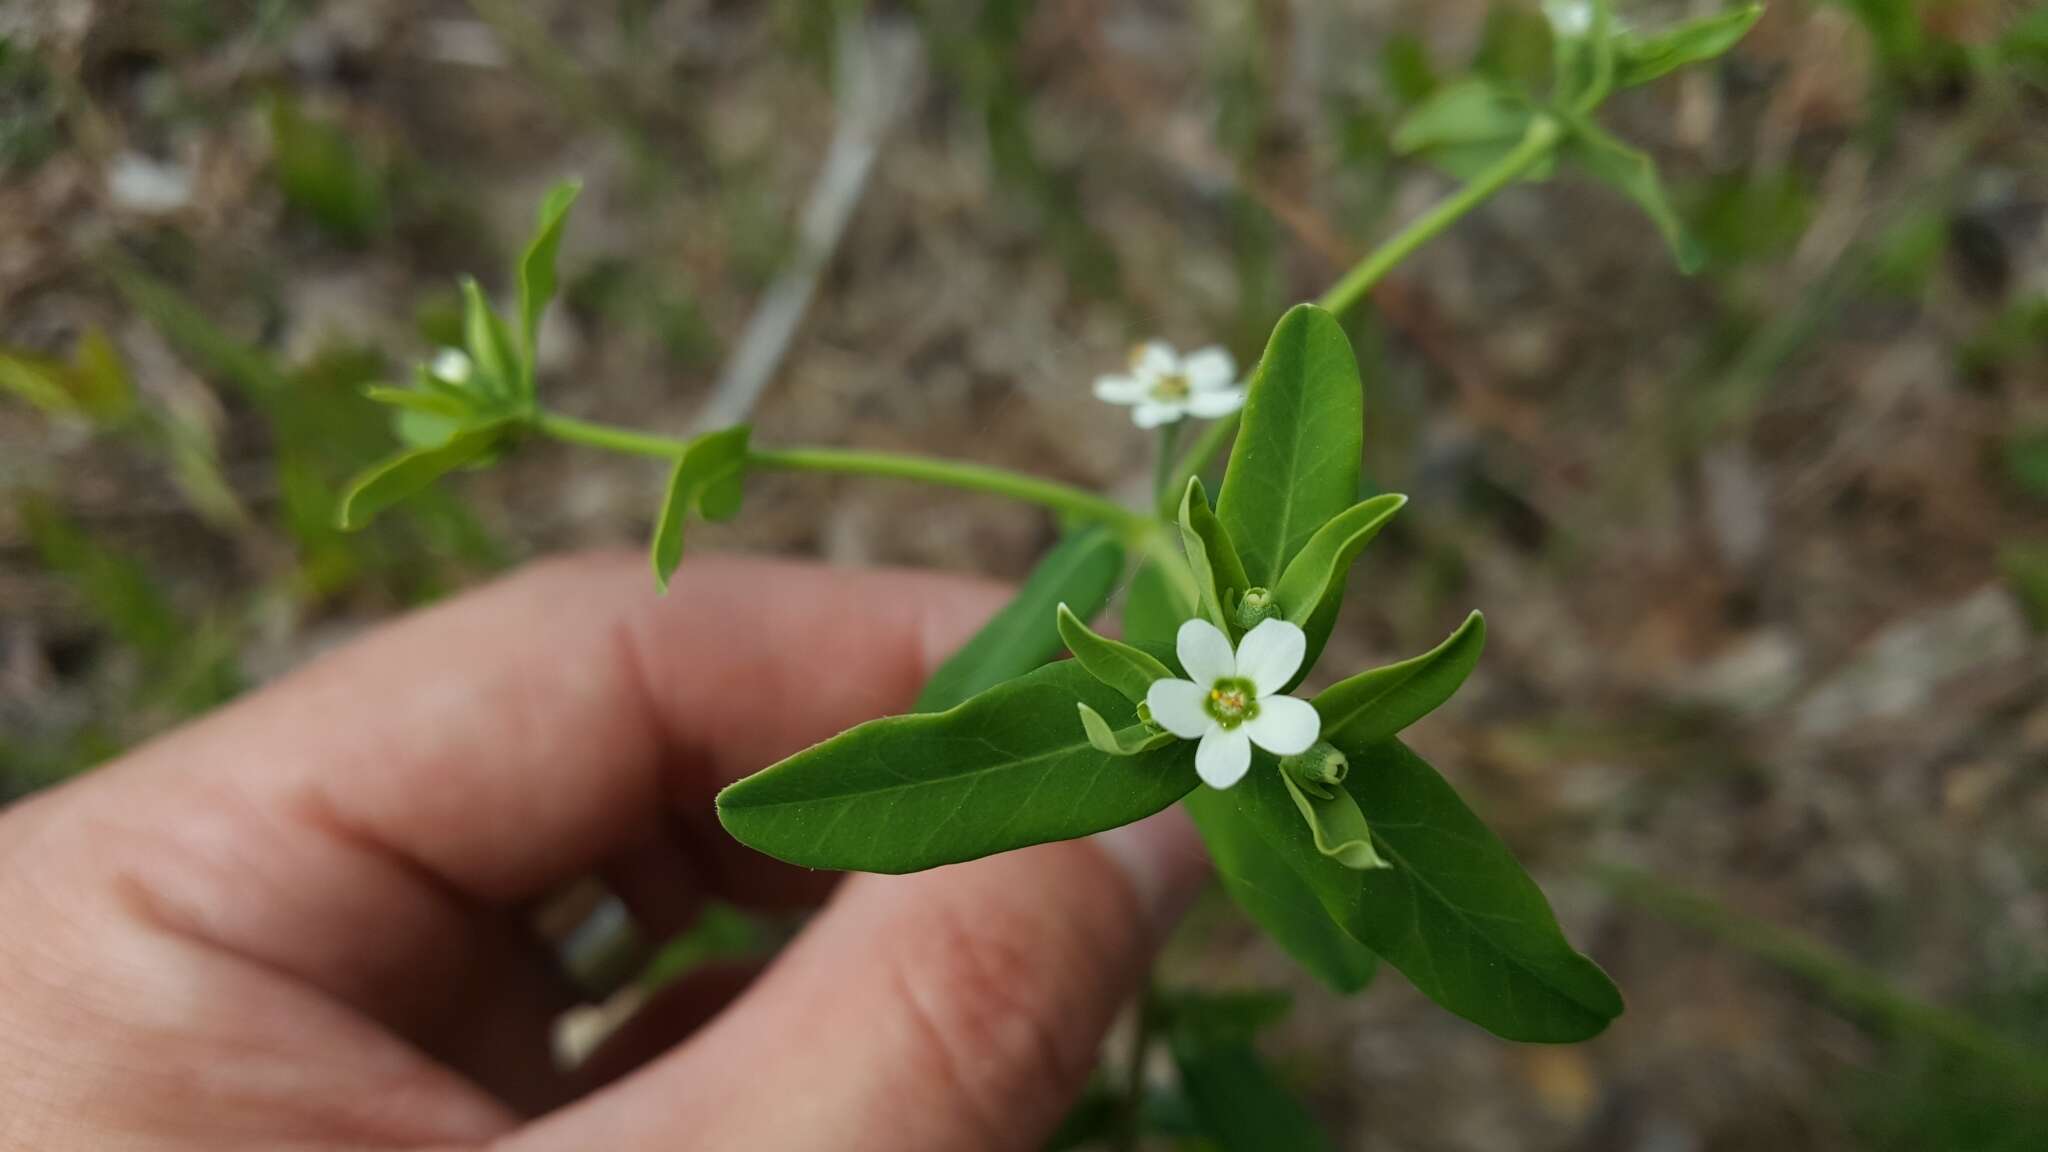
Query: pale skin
(299, 923)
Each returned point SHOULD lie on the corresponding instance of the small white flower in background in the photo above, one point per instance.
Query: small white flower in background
(450, 366)
(1164, 386)
(1231, 700)
(1573, 18)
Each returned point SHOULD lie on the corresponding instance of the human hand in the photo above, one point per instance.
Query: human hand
(300, 922)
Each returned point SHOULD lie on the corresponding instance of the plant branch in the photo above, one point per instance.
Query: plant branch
(1064, 498)
(1536, 145)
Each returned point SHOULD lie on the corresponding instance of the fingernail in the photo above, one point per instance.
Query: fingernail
(1163, 859)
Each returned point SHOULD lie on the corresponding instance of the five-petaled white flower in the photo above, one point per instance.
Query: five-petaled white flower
(1164, 386)
(1232, 700)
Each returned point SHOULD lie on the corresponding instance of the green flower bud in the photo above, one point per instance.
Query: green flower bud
(1255, 606)
(1319, 768)
(1145, 715)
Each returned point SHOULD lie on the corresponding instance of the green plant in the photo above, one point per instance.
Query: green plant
(1333, 835)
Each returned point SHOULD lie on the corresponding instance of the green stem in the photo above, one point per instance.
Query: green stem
(1063, 498)
(1131, 1117)
(1536, 145)
(1162, 471)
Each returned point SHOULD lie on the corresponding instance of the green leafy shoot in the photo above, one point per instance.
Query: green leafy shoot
(706, 481)
(537, 275)
(1082, 569)
(1219, 574)
(1120, 742)
(1374, 705)
(406, 474)
(1130, 671)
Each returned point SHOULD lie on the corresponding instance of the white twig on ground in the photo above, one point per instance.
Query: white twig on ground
(879, 67)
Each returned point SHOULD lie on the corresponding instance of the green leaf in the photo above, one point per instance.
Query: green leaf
(1467, 127)
(1296, 460)
(1241, 1105)
(1120, 742)
(416, 400)
(705, 480)
(1336, 825)
(1456, 914)
(1641, 59)
(1007, 769)
(1157, 603)
(404, 475)
(1265, 884)
(1082, 569)
(490, 347)
(537, 274)
(1311, 590)
(1130, 671)
(1374, 705)
(1608, 160)
(1219, 574)
(1582, 35)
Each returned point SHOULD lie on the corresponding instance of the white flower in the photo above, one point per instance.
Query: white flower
(1571, 18)
(1164, 386)
(450, 366)
(1231, 700)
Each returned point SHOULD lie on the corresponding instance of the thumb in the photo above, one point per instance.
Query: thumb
(957, 1008)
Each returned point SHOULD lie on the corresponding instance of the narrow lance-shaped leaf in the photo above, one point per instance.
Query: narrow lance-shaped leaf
(1265, 884)
(1010, 768)
(1335, 824)
(490, 348)
(1219, 574)
(1120, 741)
(416, 400)
(1467, 127)
(1082, 569)
(1639, 60)
(1609, 161)
(401, 476)
(1130, 671)
(1455, 912)
(1373, 705)
(705, 480)
(1296, 460)
(1311, 590)
(537, 274)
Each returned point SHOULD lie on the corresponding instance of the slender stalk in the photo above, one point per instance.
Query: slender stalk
(1162, 472)
(1131, 1117)
(951, 473)
(1536, 145)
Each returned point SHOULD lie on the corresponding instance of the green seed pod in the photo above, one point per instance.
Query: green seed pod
(1321, 767)
(1255, 606)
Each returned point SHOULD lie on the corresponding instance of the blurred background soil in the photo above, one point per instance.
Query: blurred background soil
(1763, 550)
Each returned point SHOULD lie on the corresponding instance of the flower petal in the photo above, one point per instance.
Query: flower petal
(1270, 655)
(1177, 707)
(1223, 756)
(1204, 653)
(1153, 359)
(1209, 405)
(1121, 389)
(1151, 413)
(1284, 725)
(1209, 370)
